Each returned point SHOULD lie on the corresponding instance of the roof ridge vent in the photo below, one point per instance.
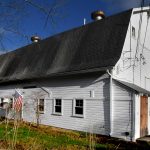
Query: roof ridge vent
(97, 15)
(35, 39)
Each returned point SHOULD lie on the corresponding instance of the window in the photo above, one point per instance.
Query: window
(78, 107)
(58, 106)
(118, 69)
(41, 105)
(133, 32)
(11, 103)
(1, 102)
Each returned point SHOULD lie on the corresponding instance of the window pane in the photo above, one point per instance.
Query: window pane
(79, 110)
(58, 102)
(133, 31)
(58, 109)
(79, 102)
(41, 104)
(41, 108)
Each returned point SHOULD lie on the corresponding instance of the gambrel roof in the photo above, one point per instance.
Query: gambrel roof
(93, 47)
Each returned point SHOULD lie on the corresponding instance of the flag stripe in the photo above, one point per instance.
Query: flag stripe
(18, 101)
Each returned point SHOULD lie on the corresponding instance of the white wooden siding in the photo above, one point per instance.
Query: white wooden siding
(122, 111)
(96, 118)
(131, 69)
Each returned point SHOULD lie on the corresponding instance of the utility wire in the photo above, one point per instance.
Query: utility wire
(139, 33)
(138, 39)
(145, 34)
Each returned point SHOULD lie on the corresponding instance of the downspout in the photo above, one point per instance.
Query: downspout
(111, 106)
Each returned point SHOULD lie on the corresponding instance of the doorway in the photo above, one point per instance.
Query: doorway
(144, 116)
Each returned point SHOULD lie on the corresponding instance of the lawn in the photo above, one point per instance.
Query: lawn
(27, 136)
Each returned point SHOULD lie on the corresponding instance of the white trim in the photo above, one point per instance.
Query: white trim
(133, 130)
(73, 110)
(54, 104)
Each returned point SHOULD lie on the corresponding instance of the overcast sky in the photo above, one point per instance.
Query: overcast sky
(70, 14)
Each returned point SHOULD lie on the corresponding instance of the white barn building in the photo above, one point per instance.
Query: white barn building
(94, 78)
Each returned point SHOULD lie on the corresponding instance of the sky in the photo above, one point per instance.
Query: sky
(28, 19)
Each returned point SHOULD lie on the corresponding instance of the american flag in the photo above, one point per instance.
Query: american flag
(18, 100)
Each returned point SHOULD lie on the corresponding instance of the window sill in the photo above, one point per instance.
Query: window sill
(78, 116)
(57, 114)
(41, 112)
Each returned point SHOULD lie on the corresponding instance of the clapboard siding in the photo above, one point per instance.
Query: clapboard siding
(96, 117)
(29, 110)
(122, 110)
(97, 108)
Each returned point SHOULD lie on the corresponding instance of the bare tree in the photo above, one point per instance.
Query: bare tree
(32, 104)
(14, 12)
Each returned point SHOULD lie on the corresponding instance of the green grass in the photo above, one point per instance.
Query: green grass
(29, 137)
(45, 138)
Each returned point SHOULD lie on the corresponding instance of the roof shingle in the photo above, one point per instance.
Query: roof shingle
(97, 45)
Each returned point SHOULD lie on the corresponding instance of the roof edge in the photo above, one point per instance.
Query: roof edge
(133, 87)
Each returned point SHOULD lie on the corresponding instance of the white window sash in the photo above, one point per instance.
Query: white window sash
(74, 105)
(54, 104)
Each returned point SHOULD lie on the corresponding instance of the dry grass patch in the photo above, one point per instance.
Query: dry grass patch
(30, 137)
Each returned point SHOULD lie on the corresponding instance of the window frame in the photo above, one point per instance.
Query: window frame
(10, 104)
(74, 105)
(54, 105)
(41, 112)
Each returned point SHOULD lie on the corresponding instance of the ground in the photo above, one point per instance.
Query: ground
(16, 135)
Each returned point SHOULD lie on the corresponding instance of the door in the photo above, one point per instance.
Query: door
(144, 116)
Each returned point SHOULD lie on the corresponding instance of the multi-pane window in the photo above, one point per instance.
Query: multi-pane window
(78, 107)
(41, 105)
(58, 106)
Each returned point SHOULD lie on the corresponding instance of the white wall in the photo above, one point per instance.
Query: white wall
(130, 68)
(96, 118)
(122, 109)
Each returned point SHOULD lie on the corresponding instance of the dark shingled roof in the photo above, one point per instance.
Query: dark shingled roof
(93, 47)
